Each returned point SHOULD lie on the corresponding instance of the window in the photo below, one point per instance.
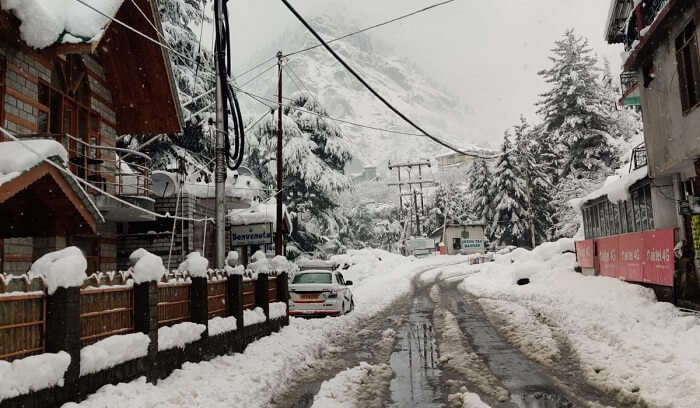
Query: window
(456, 243)
(312, 277)
(688, 67)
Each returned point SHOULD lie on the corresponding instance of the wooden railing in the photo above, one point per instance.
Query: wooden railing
(174, 303)
(248, 294)
(22, 317)
(105, 312)
(272, 289)
(216, 295)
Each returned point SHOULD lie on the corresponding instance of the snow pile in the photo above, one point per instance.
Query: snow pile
(113, 351)
(231, 264)
(179, 335)
(146, 266)
(281, 264)
(260, 263)
(195, 264)
(64, 268)
(236, 270)
(18, 157)
(627, 341)
(218, 325)
(467, 399)
(342, 390)
(272, 362)
(277, 310)
(253, 316)
(43, 21)
(32, 373)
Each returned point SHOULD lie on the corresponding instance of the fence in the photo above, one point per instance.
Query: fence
(109, 304)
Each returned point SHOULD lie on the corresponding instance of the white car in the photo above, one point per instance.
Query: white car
(318, 292)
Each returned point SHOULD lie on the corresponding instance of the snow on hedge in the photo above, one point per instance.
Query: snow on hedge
(218, 325)
(277, 310)
(626, 340)
(64, 268)
(195, 264)
(32, 373)
(253, 316)
(43, 21)
(113, 351)
(146, 266)
(179, 335)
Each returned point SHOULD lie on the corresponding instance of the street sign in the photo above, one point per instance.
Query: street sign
(253, 234)
(472, 243)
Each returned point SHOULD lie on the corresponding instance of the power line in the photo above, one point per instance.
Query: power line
(377, 94)
(372, 27)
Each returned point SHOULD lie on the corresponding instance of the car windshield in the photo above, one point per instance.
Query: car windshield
(316, 277)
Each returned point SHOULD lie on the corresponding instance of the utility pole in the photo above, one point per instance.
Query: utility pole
(415, 205)
(220, 154)
(411, 183)
(280, 192)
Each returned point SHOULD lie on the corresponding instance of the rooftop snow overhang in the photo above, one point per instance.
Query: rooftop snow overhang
(42, 201)
(653, 34)
(616, 188)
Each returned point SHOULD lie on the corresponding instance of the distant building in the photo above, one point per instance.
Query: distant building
(461, 238)
(453, 165)
(369, 173)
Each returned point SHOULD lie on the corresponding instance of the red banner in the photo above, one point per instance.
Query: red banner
(608, 264)
(631, 247)
(585, 254)
(658, 259)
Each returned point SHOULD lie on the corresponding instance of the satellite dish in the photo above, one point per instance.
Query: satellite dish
(164, 184)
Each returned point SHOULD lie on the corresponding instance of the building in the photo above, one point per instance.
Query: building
(452, 165)
(80, 89)
(462, 238)
(662, 76)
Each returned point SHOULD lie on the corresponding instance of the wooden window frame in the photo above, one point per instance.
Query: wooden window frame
(688, 67)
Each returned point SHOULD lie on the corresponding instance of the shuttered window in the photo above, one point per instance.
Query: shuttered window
(688, 64)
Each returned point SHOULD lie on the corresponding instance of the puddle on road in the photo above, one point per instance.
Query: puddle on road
(416, 381)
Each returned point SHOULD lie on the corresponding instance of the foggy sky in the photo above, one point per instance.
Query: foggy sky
(487, 52)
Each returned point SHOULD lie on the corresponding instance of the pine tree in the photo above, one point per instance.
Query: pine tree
(479, 179)
(315, 153)
(509, 225)
(449, 206)
(534, 171)
(575, 110)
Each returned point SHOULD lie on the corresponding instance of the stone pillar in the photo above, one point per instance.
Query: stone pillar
(199, 307)
(63, 334)
(146, 321)
(283, 293)
(262, 296)
(234, 299)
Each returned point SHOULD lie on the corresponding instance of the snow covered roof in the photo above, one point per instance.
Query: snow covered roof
(260, 213)
(241, 186)
(616, 188)
(16, 157)
(48, 22)
(474, 149)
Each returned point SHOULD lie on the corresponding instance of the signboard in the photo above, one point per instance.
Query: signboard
(253, 234)
(658, 257)
(472, 243)
(631, 249)
(608, 256)
(585, 254)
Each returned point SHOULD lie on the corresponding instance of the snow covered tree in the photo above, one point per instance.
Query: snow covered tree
(479, 181)
(509, 224)
(534, 171)
(575, 110)
(315, 153)
(449, 205)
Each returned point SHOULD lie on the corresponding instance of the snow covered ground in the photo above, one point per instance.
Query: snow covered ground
(246, 379)
(628, 343)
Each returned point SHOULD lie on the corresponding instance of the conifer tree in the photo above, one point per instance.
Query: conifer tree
(479, 179)
(509, 224)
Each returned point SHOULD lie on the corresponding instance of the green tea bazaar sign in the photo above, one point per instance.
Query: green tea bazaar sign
(252, 234)
(472, 243)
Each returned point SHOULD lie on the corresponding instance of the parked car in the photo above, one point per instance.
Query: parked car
(318, 292)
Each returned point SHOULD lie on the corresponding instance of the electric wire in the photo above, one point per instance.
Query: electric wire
(372, 27)
(377, 94)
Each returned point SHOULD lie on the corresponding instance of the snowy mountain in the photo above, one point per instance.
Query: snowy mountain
(393, 76)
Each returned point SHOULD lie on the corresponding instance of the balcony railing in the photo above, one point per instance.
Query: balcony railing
(103, 167)
(641, 18)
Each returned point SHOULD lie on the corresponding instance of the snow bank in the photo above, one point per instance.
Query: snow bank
(218, 325)
(43, 21)
(147, 266)
(32, 373)
(113, 351)
(342, 390)
(195, 264)
(64, 268)
(277, 310)
(18, 158)
(253, 316)
(627, 341)
(272, 362)
(179, 335)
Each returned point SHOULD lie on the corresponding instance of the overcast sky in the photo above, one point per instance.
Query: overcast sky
(487, 52)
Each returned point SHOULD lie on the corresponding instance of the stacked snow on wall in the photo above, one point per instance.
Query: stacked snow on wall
(64, 268)
(278, 309)
(260, 263)
(218, 325)
(254, 316)
(146, 266)
(43, 21)
(32, 373)
(179, 335)
(113, 351)
(195, 264)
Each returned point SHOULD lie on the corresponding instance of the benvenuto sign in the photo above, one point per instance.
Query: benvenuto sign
(253, 234)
